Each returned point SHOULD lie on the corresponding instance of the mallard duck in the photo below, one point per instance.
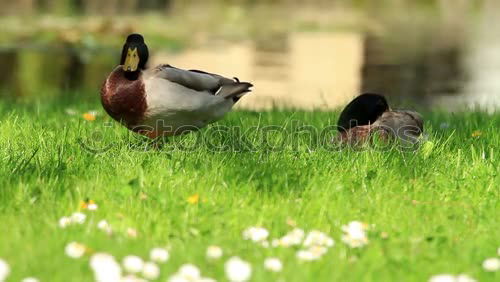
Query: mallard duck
(164, 100)
(370, 114)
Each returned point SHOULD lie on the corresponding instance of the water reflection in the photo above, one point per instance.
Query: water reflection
(445, 63)
(418, 76)
(482, 62)
(299, 70)
(40, 72)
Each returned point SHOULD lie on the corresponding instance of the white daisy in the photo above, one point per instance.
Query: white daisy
(105, 226)
(273, 264)
(442, 278)
(133, 264)
(78, 218)
(264, 244)
(275, 243)
(355, 227)
(491, 264)
(190, 272)
(151, 271)
(206, 279)
(214, 252)
(131, 232)
(99, 260)
(92, 207)
(465, 278)
(106, 268)
(132, 278)
(318, 238)
(256, 234)
(159, 255)
(355, 234)
(177, 278)
(354, 242)
(75, 250)
(237, 270)
(451, 278)
(318, 250)
(306, 255)
(30, 279)
(64, 222)
(70, 111)
(4, 269)
(293, 237)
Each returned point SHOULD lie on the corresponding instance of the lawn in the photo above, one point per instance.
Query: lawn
(430, 210)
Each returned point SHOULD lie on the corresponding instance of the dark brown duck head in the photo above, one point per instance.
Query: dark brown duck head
(369, 114)
(135, 55)
(123, 93)
(363, 110)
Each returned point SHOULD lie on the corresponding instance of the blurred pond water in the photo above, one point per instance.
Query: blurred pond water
(443, 56)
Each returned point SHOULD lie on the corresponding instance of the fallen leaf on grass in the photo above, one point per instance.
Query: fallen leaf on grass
(477, 134)
(193, 199)
(89, 116)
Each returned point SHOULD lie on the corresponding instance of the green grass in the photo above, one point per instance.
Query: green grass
(439, 204)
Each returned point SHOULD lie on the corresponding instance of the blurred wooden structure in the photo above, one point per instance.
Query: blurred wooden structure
(26, 7)
(110, 7)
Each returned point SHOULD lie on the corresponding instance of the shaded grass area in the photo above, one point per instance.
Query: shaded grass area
(438, 204)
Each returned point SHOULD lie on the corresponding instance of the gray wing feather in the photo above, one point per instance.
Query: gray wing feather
(406, 125)
(203, 81)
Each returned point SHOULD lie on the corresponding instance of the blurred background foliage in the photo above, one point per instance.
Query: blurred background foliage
(408, 49)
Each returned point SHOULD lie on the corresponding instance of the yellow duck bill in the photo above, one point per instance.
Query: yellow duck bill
(132, 60)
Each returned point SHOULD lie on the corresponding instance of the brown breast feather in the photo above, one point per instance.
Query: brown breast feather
(124, 100)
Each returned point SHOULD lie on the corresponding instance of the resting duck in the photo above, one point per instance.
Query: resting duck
(164, 100)
(370, 114)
